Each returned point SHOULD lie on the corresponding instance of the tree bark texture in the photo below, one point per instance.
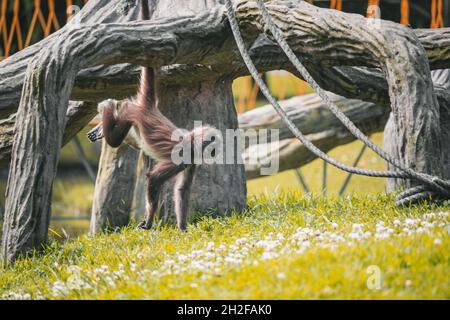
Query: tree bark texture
(398, 148)
(114, 188)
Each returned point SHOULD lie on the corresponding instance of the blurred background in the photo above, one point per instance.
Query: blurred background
(25, 22)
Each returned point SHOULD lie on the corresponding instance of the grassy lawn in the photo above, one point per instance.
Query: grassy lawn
(285, 247)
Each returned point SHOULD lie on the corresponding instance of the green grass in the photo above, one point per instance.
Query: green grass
(285, 247)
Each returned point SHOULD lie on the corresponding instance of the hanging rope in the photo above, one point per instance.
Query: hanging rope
(441, 186)
(438, 186)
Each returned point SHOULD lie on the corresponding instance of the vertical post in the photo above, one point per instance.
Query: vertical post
(114, 188)
(324, 178)
(41, 119)
(143, 164)
(302, 181)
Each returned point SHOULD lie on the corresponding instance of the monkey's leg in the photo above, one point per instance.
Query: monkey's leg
(156, 178)
(182, 191)
(115, 128)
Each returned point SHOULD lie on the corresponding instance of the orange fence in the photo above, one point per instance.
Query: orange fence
(19, 30)
(247, 91)
(437, 20)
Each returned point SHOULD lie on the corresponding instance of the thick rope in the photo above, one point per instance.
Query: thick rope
(335, 110)
(434, 182)
(442, 187)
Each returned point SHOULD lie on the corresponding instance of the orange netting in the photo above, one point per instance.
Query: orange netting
(15, 35)
(404, 10)
(437, 20)
(336, 4)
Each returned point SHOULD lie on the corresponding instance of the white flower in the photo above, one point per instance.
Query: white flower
(437, 241)
(281, 276)
(367, 234)
(16, 296)
(306, 244)
(410, 222)
(444, 214)
(357, 228)
(241, 241)
(59, 288)
(354, 235)
(269, 255)
(101, 270)
(169, 262)
(382, 235)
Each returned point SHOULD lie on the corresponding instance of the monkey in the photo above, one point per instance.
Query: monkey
(140, 123)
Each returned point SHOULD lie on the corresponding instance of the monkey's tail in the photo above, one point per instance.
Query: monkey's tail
(146, 95)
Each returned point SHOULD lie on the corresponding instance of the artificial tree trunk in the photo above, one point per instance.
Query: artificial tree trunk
(399, 148)
(202, 36)
(218, 188)
(114, 188)
(142, 166)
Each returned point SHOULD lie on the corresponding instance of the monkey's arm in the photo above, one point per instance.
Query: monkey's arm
(115, 128)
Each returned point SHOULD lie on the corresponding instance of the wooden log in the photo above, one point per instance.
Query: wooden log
(311, 115)
(315, 120)
(78, 116)
(399, 150)
(143, 165)
(113, 196)
(119, 81)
